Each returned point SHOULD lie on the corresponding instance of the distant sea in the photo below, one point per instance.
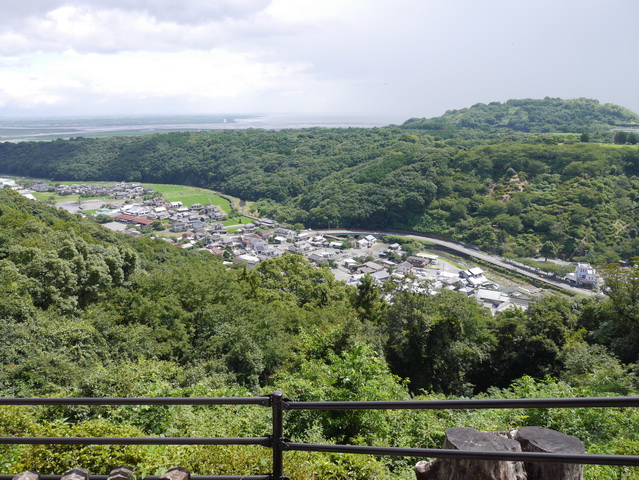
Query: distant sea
(23, 129)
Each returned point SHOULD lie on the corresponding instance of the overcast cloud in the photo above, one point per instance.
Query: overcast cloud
(403, 58)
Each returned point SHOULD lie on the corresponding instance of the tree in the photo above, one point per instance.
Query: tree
(437, 341)
(368, 299)
(102, 218)
(529, 343)
(619, 328)
(157, 225)
(548, 249)
(356, 374)
(620, 137)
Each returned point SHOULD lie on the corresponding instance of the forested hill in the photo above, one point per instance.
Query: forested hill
(87, 312)
(504, 193)
(539, 116)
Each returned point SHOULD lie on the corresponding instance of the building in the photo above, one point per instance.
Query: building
(585, 275)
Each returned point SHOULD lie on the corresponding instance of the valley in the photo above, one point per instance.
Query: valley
(406, 262)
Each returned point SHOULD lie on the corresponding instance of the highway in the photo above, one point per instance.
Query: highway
(497, 261)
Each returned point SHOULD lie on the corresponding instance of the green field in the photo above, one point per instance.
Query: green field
(171, 193)
(237, 221)
(189, 195)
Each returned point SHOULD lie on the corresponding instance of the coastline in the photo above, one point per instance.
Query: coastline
(46, 129)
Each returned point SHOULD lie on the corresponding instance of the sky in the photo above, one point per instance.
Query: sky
(399, 58)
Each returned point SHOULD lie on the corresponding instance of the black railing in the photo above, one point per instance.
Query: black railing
(279, 444)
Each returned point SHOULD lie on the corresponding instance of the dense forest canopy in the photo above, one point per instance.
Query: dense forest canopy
(89, 312)
(537, 116)
(502, 191)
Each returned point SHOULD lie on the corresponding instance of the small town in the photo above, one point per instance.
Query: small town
(336, 240)
(135, 209)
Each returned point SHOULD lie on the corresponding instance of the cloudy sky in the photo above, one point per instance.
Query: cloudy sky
(401, 58)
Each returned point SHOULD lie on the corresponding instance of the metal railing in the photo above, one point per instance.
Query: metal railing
(280, 444)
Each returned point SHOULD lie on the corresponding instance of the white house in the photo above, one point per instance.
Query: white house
(584, 274)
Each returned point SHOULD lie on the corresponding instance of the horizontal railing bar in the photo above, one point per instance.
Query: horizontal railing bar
(624, 460)
(262, 401)
(157, 477)
(583, 402)
(263, 441)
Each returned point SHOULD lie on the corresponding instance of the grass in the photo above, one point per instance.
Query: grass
(189, 195)
(171, 193)
(236, 221)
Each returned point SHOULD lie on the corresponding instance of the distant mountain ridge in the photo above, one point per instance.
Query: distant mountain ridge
(534, 116)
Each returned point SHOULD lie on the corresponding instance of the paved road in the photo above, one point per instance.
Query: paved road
(466, 251)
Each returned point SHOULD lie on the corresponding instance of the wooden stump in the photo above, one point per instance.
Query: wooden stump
(538, 439)
(76, 474)
(176, 474)
(121, 473)
(464, 438)
(28, 475)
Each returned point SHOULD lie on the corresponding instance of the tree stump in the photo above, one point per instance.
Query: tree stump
(177, 473)
(464, 438)
(538, 439)
(28, 475)
(123, 472)
(76, 474)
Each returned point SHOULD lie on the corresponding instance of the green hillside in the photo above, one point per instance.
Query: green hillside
(88, 312)
(536, 116)
(505, 193)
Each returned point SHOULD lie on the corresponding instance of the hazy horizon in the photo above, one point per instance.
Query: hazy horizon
(405, 59)
(52, 127)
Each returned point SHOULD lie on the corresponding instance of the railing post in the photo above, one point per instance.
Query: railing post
(276, 403)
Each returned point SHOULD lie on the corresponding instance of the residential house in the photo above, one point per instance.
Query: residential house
(179, 226)
(381, 276)
(430, 258)
(217, 227)
(375, 266)
(266, 222)
(286, 233)
(404, 268)
(474, 277)
(249, 260)
(585, 275)
(361, 243)
(416, 261)
(318, 241)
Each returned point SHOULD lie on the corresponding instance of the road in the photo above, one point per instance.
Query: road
(465, 251)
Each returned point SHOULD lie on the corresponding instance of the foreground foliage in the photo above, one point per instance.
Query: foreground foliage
(87, 312)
